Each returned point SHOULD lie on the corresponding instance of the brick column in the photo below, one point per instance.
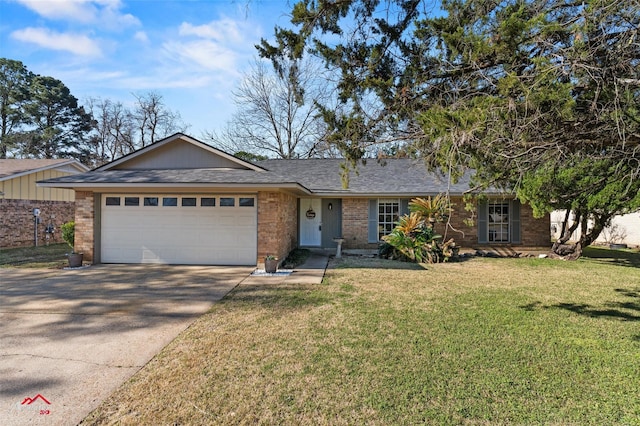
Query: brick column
(277, 224)
(85, 216)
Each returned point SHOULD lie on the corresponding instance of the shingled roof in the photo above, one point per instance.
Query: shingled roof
(194, 164)
(386, 177)
(322, 177)
(11, 168)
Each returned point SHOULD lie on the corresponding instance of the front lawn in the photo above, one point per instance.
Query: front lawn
(482, 342)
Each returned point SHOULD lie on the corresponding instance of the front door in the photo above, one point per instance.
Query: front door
(310, 222)
(331, 221)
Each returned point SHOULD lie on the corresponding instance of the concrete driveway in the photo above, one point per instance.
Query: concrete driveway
(69, 338)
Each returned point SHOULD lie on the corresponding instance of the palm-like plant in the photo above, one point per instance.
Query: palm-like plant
(431, 210)
(409, 224)
(413, 238)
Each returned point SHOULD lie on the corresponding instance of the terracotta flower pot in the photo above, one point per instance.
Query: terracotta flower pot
(75, 260)
(270, 265)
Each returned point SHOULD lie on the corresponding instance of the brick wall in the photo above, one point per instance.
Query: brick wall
(535, 232)
(277, 224)
(355, 223)
(84, 224)
(463, 234)
(16, 221)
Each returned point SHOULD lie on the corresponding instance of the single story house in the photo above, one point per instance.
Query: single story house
(181, 201)
(20, 196)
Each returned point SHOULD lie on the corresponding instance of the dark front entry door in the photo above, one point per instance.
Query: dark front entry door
(331, 221)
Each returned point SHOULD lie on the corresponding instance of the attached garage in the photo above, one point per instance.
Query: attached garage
(206, 229)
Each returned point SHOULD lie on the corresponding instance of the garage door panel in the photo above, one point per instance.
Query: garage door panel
(179, 235)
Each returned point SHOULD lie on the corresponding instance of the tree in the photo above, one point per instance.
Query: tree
(154, 120)
(276, 117)
(14, 86)
(113, 134)
(541, 97)
(248, 156)
(57, 124)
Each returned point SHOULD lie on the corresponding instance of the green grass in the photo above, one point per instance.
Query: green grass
(51, 256)
(481, 342)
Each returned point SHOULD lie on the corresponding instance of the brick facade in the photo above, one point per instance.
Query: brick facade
(463, 234)
(17, 223)
(355, 222)
(85, 216)
(535, 232)
(277, 224)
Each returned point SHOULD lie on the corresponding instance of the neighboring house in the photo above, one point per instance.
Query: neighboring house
(624, 229)
(181, 201)
(19, 196)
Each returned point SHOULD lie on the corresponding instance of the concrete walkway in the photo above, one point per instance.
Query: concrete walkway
(310, 272)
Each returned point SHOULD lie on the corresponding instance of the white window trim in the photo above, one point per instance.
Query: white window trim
(498, 222)
(381, 230)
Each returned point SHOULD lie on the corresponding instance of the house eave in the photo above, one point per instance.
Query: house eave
(411, 194)
(294, 188)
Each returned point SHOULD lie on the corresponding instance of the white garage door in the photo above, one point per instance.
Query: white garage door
(179, 229)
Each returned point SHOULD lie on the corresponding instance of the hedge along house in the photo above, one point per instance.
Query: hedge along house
(19, 196)
(180, 201)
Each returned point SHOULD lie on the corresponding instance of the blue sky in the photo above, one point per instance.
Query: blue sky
(192, 52)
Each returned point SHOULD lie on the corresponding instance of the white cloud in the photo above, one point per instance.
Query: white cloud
(77, 44)
(218, 46)
(78, 10)
(141, 36)
(204, 53)
(105, 13)
(223, 30)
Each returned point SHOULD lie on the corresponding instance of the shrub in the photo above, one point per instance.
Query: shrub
(69, 233)
(414, 239)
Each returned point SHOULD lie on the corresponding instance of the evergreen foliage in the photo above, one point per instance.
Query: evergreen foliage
(541, 97)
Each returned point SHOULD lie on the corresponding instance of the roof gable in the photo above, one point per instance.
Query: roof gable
(178, 152)
(13, 168)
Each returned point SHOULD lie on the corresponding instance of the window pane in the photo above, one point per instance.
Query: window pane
(227, 202)
(188, 201)
(112, 201)
(498, 221)
(388, 210)
(246, 202)
(131, 201)
(151, 201)
(207, 202)
(170, 201)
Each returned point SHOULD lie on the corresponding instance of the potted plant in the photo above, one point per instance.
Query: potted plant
(270, 264)
(69, 236)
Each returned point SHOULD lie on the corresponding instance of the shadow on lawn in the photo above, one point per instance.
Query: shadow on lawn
(620, 310)
(612, 257)
(288, 296)
(374, 262)
(607, 312)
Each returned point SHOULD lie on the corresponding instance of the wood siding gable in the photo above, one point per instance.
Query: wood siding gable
(178, 152)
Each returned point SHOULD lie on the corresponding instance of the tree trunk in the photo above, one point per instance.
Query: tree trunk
(572, 251)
